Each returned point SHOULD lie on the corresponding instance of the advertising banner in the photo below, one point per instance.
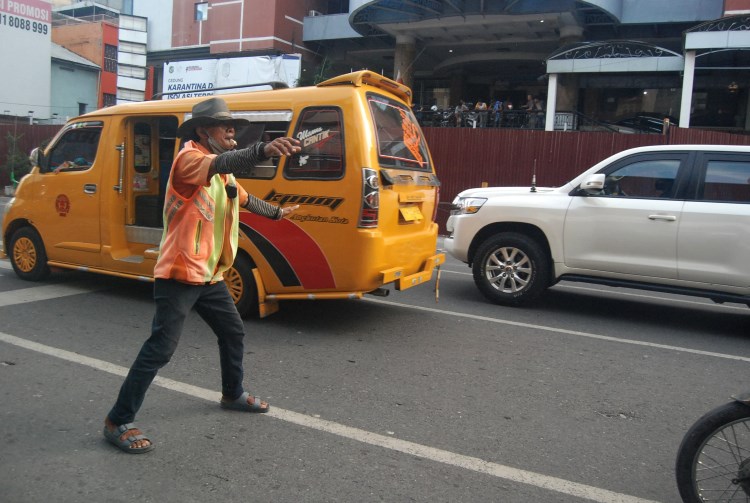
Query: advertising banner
(206, 77)
(25, 31)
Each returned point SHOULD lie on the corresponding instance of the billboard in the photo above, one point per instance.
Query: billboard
(206, 77)
(25, 38)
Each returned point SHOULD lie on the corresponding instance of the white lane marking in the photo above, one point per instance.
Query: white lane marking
(560, 330)
(443, 269)
(626, 294)
(46, 292)
(430, 453)
(5, 264)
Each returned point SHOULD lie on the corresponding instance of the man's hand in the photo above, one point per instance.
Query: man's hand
(286, 210)
(282, 146)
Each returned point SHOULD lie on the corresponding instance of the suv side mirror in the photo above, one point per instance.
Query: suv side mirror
(593, 183)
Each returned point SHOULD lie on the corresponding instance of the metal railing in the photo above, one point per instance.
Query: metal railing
(512, 119)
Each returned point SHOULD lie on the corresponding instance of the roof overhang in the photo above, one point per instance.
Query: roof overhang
(726, 33)
(614, 57)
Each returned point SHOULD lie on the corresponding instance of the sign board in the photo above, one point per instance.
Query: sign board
(206, 77)
(25, 35)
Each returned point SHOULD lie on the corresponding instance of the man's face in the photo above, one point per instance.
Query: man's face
(222, 134)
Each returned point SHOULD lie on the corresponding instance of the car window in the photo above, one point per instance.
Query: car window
(643, 179)
(321, 134)
(76, 148)
(727, 180)
(264, 125)
(399, 139)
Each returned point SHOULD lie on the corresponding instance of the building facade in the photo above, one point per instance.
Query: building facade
(604, 59)
(607, 59)
(114, 40)
(220, 31)
(75, 85)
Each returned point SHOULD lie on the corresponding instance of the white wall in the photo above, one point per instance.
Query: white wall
(25, 39)
(159, 16)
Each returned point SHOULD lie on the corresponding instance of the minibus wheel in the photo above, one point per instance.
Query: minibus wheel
(27, 255)
(241, 283)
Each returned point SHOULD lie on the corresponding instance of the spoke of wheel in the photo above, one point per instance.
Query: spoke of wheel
(25, 255)
(506, 257)
(524, 270)
(499, 281)
(522, 262)
(719, 461)
(517, 280)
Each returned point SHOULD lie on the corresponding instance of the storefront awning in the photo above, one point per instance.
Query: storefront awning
(731, 32)
(614, 56)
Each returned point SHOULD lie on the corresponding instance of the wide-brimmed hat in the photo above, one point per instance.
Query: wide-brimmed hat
(210, 111)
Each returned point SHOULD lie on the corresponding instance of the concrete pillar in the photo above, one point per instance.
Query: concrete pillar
(570, 33)
(457, 86)
(566, 88)
(549, 123)
(688, 76)
(403, 60)
(567, 92)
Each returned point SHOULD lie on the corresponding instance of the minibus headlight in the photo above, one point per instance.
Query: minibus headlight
(468, 205)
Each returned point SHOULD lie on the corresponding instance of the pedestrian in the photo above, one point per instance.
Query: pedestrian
(530, 111)
(539, 111)
(481, 109)
(460, 111)
(188, 272)
(497, 111)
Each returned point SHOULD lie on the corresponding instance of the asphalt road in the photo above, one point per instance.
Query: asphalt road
(582, 397)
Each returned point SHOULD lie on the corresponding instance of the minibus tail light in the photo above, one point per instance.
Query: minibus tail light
(368, 215)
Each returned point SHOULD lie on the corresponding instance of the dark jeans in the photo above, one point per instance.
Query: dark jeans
(173, 303)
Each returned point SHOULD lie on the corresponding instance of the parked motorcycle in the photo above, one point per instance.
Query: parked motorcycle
(713, 461)
(447, 118)
(472, 119)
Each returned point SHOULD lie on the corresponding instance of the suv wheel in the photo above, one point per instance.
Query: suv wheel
(511, 268)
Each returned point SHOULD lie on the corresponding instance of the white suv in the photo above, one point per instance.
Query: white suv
(666, 218)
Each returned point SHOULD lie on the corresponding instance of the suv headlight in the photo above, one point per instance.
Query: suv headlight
(468, 205)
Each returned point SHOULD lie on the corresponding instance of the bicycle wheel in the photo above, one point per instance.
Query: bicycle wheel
(713, 461)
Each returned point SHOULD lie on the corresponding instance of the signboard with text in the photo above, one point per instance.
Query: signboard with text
(205, 77)
(25, 33)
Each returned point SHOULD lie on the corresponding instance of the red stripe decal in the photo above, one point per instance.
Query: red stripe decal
(301, 251)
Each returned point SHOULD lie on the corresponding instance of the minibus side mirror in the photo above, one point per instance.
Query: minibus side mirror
(42, 160)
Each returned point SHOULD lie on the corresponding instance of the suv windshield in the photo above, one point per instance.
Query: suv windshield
(399, 139)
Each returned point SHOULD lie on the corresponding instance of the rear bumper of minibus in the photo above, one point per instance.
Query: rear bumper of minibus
(401, 281)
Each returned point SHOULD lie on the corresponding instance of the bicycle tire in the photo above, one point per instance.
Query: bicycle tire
(714, 456)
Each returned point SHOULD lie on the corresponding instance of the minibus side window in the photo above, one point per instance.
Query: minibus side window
(399, 138)
(320, 132)
(260, 131)
(142, 147)
(75, 150)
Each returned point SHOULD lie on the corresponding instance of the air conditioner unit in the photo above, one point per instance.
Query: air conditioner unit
(313, 13)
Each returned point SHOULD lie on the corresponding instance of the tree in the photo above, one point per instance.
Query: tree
(16, 162)
(319, 75)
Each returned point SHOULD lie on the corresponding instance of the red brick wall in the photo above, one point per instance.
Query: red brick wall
(736, 6)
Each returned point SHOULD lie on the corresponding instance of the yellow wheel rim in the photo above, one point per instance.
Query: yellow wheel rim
(235, 284)
(24, 254)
